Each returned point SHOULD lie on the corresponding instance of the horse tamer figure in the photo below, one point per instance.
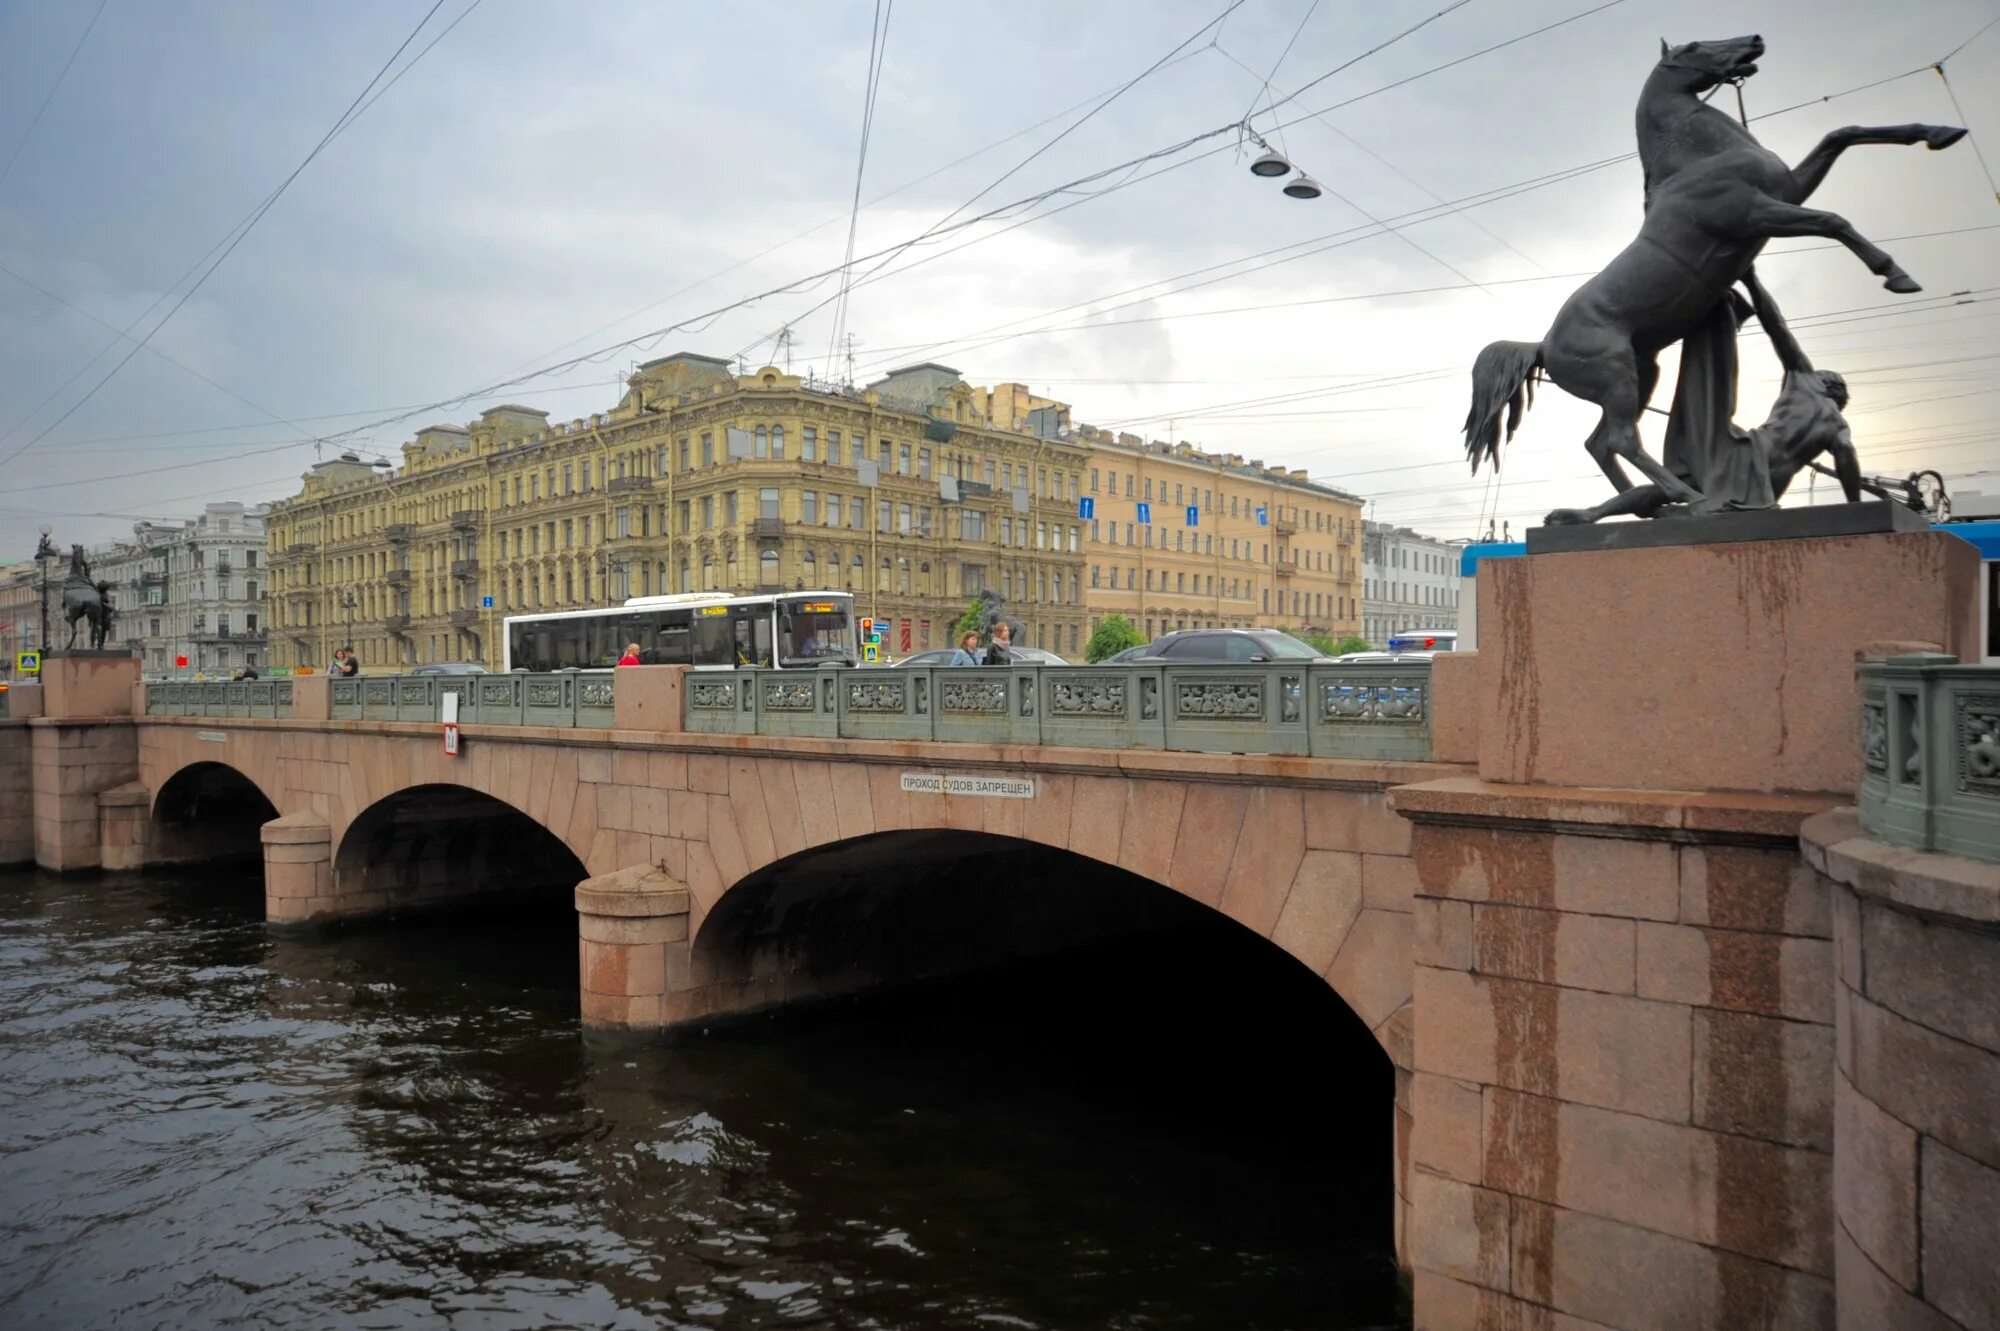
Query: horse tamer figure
(1714, 196)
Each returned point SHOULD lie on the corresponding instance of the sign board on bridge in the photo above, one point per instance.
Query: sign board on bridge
(985, 787)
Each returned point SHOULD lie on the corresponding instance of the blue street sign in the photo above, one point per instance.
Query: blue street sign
(1194, 516)
(1263, 516)
(1145, 515)
(1086, 508)
(485, 603)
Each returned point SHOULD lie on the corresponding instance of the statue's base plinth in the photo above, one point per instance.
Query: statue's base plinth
(89, 654)
(1764, 524)
(1722, 666)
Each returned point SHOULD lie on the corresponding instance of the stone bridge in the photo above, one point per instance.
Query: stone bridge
(1653, 1067)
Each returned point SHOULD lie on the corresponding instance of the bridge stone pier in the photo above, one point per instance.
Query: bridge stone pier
(1674, 1041)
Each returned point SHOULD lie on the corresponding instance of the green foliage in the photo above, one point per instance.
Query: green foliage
(1113, 635)
(1319, 642)
(969, 622)
(1353, 642)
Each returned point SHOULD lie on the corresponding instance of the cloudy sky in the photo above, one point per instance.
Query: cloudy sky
(552, 179)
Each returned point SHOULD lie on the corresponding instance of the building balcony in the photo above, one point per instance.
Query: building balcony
(465, 619)
(397, 577)
(1286, 571)
(226, 635)
(465, 520)
(1285, 526)
(301, 549)
(631, 485)
(300, 595)
(767, 527)
(398, 533)
(465, 568)
(152, 578)
(395, 623)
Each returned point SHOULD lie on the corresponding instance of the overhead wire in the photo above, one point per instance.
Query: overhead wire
(878, 44)
(235, 237)
(35, 120)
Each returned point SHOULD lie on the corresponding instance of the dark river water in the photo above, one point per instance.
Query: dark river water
(204, 1125)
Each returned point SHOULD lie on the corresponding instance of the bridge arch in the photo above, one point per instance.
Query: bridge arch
(1322, 874)
(208, 811)
(433, 844)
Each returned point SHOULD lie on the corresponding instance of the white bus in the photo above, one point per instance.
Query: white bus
(708, 630)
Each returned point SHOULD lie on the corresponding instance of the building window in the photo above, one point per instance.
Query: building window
(833, 448)
(809, 443)
(809, 509)
(857, 514)
(707, 449)
(767, 568)
(760, 443)
(767, 503)
(923, 464)
(778, 441)
(729, 514)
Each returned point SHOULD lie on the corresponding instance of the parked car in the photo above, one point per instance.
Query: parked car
(1383, 657)
(1230, 646)
(938, 656)
(449, 668)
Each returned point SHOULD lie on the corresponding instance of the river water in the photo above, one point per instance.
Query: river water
(203, 1125)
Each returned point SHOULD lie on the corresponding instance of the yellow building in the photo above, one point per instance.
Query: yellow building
(1267, 548)
(905, 493)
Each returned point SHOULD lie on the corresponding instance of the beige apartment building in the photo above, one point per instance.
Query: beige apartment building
(909, 493)
(1230, 543)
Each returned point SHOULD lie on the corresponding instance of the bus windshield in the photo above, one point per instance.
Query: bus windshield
(811, 631)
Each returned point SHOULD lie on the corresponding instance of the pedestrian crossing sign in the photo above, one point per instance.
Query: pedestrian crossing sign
(28, 663)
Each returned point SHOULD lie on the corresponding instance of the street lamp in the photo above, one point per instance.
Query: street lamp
(43, 550)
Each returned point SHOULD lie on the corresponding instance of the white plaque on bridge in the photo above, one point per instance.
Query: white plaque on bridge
(983, 787)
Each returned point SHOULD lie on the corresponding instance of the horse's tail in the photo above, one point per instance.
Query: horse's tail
(1502, 380)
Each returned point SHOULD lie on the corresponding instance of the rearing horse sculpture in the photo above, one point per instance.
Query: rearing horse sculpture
(85, 600)
(1714, 196)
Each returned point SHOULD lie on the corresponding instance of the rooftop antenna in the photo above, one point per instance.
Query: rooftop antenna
(785, 346)
(851, 342)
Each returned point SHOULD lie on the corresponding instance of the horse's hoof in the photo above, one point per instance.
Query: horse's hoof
(1565, 517)
(1902, 284)
(1943, 136)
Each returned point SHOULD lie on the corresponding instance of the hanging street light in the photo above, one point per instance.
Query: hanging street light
(1270, 165)
(1302, 186)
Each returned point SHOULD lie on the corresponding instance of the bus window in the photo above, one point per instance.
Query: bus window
(672, 643)
(753, 634)
(714, 640)
(810, 632)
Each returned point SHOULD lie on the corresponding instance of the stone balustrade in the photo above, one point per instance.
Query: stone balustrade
(1371, 711)
(247, 697)
(1930, 755)
(568, 699)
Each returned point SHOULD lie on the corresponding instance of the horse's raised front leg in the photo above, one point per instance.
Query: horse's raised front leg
(1812, 168)
(1773, 217)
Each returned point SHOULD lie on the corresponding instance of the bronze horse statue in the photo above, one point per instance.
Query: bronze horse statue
(86, 600)
(1714, 196)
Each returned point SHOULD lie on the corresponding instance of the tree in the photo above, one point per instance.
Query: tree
(972, 621)
(1319, 642)
(1112, 636)
(1353, 642)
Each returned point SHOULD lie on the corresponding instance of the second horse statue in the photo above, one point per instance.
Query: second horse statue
(1714, 196)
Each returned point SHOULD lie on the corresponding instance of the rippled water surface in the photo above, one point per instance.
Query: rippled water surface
(206, 1125)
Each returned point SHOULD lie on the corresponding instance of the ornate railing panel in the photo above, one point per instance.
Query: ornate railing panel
(1332, 711)
(565, 698)
(884, 703)
(217, 697)
(1929, 731)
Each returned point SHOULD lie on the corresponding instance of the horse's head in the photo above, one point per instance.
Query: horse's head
(1705, 64)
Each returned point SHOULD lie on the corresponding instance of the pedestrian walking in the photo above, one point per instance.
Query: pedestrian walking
(1001, 650)
(967, 651)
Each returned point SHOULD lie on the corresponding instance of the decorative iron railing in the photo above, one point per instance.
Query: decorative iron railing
(243, 697)
(1375, 710)
(1930, 755)
(566, 698)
